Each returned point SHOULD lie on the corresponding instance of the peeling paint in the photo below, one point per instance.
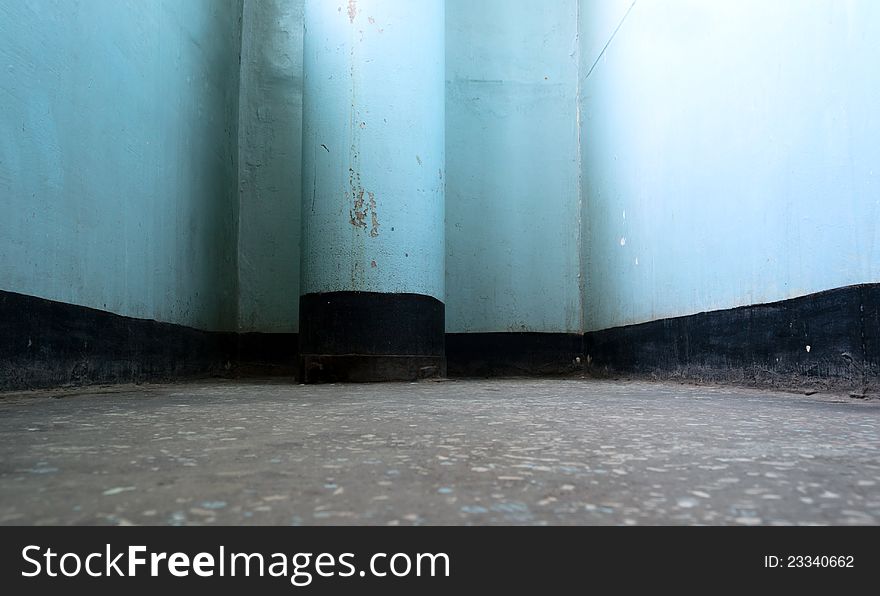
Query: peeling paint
(358, 214)
(363, 206)
(374, 231)
(372, 21)
(352, 10)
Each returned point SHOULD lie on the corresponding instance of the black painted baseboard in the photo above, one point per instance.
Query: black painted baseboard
(44, 343)
(371, 336)
(52, 344)
(267, 354)
(513, 354)
(762, 345)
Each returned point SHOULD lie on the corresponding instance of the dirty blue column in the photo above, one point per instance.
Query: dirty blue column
(373, 190)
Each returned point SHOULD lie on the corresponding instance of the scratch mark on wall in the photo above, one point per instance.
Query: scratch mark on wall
(610, 39)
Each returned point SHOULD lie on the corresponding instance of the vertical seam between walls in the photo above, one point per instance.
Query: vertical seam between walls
(580, 194)
(238, 173)
(584, 250)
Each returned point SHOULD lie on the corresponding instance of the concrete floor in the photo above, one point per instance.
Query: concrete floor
(455, 452)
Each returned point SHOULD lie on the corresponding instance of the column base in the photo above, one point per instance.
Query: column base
(371, 336)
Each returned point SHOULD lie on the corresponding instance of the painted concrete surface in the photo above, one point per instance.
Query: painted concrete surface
(373, 147)
(117, 156)
(464, 452)
(608, 162)
(729, 153)
(270, 162)
(512, 203)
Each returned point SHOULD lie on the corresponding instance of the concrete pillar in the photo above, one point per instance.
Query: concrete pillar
(373, 190)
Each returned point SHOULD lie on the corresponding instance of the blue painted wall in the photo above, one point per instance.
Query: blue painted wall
(118, 136)
(373, 150)
(730, 153)
(512, 201)
(716, 154)
(270, 163)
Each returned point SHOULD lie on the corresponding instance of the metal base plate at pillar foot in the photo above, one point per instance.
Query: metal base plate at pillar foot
(355, 368)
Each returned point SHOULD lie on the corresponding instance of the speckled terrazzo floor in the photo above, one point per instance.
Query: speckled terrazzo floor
(455, 452)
